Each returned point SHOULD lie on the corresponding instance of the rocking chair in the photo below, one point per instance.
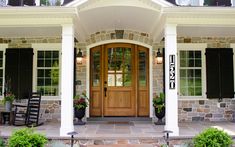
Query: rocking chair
(30, 117)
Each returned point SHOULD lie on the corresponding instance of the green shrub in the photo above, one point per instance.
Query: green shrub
(2, 144)
(26, 138)
(212, 137)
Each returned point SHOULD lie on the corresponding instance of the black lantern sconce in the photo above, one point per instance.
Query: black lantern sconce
(159, 57)
(79, 57)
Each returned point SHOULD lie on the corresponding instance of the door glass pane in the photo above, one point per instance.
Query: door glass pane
(127, 79)
(95, 65)
(142, 68)
(127, 60)
(119, 66)
(119, 80)
(111, 59)
(111, 79)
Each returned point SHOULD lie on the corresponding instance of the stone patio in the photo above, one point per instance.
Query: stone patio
(134, 132)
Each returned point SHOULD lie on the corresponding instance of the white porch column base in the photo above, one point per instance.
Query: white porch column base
(67, 69)
(171, 101)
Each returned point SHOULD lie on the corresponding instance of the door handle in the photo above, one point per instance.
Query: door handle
(105, 90)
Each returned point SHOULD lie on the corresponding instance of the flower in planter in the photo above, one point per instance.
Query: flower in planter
(159, 102)
(9, 97)
(80, 101)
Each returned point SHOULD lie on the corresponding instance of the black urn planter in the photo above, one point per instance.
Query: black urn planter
(159, 115)
(79, 114)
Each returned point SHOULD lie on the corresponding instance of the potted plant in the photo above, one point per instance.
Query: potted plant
(80, 103)
(159, 105)
(8, 100)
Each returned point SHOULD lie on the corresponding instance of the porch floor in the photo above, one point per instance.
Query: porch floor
(120, 130)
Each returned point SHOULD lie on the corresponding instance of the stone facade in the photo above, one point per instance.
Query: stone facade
(206, 110)
(189, 110)
(119, 34)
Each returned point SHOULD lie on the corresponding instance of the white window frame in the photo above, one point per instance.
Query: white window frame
(3, 48)
(193, 47)
(46, 47)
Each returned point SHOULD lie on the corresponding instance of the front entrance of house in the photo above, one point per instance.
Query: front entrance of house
(119, 80)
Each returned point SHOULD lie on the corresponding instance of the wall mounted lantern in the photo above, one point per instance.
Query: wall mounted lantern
(159, 57)
(79, 57)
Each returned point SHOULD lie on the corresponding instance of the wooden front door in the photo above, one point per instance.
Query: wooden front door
(119, 80)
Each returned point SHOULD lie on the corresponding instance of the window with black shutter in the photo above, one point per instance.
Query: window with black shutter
(219, 73)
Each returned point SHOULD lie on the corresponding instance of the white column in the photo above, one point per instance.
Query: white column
(67, 69)
(171, 101)
(37, 2)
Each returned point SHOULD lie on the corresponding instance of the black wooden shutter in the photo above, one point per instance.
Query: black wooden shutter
(212, 73)
(29, 2)
(227, 79)
(14, 2)
(18, 71)
(219, 73)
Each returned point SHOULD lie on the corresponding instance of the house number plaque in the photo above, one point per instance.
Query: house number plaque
(172, 72)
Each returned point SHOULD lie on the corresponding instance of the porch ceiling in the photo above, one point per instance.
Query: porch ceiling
(118, 17)
(15, 32)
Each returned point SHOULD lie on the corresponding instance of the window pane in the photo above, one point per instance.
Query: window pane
(55, 54)
(40, 82)
(1, 62)
(48, 63)
(182, 73)
(40, 63)
(183, 62)
(198, 91)
(40, 54)
(48, 54)
(198, 82)
(198, 63)
(40, 72)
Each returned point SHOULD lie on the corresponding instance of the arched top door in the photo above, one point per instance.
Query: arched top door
(119, 80)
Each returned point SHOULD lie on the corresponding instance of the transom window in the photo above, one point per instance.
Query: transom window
(48, 72)
(190, 73)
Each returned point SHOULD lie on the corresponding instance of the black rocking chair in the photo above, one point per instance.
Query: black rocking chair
(30, 117)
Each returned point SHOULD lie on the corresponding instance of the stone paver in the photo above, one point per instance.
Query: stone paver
(128, 131)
